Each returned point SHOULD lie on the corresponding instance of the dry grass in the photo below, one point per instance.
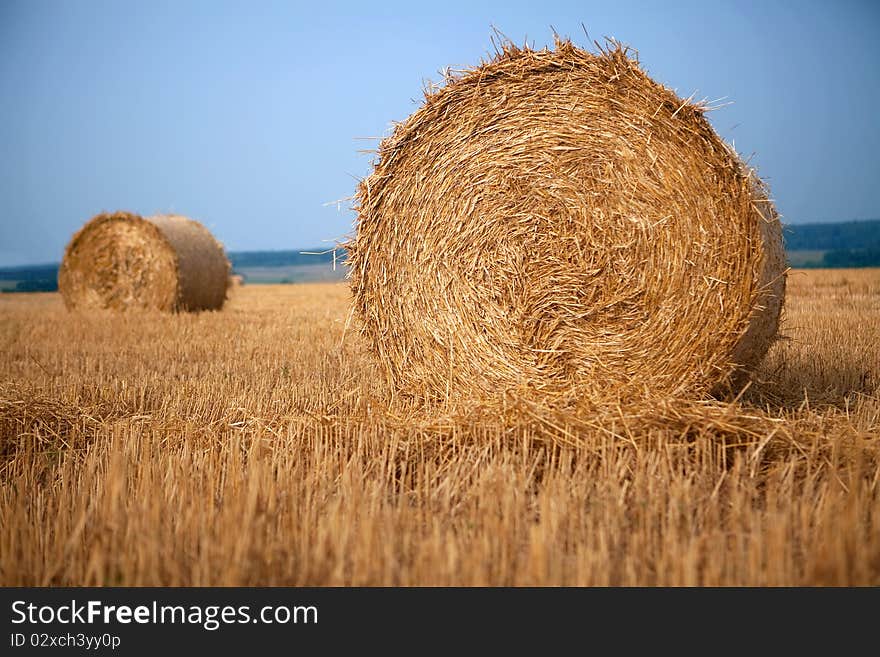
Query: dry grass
(249, 447)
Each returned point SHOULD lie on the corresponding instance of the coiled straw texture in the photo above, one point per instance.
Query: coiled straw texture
(122, 261)
(555, 223)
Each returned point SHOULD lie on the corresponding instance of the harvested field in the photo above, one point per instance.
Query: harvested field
(258, 446)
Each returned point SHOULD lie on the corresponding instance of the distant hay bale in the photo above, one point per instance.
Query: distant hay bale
(120, 260)
(556, 222)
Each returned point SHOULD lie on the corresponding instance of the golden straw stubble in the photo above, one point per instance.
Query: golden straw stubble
(122, 261)
(556, 223)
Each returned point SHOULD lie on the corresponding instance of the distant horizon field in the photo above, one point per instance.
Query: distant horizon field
(325, 273)
(317, 273)
(43, 278)
(805, 241)
(840, 245)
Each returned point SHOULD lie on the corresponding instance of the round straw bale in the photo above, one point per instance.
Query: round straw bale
(121, 260)
(554, 221)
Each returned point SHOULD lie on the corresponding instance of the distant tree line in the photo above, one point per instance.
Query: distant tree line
(35, 278)
(36, 285)
(246, 259)
(845, 236)
(29, 273)
(846, 244)
(852, 258)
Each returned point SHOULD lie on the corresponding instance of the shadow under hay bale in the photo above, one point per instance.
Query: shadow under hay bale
(555, 223)
(121, 260)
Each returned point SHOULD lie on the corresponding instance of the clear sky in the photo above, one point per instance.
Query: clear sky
(247, 115)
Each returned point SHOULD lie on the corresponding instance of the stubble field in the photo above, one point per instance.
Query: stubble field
(259, 446)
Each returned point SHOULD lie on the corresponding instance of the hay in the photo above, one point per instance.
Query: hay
(121, 260)
(555, 222)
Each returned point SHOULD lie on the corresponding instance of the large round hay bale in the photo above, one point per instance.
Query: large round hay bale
(121, 260)
(555, 221)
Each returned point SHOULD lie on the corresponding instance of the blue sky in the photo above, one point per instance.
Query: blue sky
(247, 115)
